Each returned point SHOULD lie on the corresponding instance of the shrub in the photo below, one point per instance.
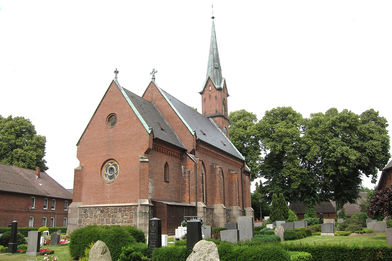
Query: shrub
(136, 233)
(342, 233)
(361, 216)
(315, 228)
(300, 256)
(135, 252)
(341, 213)
(180, 242)
(43, 229)
(3, 249)
(266, 238)
(115, 237)
(170, 253)
(389, 223)
(290, 235)
(87, 252)
(270, 252)
(312, 221)
(55, 229)
(310, 212)
(292, 216)
(5, 239)
(265, 231)
(216, 232)
(367, 230)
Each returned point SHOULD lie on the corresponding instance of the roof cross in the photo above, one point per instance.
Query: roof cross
(115, 74)
(153, 72)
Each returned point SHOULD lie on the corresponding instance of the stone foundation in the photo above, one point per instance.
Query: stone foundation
(249, 212)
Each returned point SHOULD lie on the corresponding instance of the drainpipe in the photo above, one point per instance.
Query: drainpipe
(195, 171)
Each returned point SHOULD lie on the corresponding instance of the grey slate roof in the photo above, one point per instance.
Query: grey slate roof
(322, 207)
(154, 120)
(20, 180)
(206, 129)
(353, 208)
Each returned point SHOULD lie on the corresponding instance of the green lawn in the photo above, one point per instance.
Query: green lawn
(375, 239)
(62, 253)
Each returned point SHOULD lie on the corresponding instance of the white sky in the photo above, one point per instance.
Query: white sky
(57, 58)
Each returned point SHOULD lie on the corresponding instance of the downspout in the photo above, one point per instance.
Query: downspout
(195, 171)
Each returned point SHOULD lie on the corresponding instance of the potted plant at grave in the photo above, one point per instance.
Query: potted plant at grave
(381, 206)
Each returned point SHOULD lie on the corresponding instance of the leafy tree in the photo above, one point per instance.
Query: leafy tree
(20, 145)
(340, 147)
(366, 204)
(381, 204)
(256, 196)
(244, 135)
(279, 208)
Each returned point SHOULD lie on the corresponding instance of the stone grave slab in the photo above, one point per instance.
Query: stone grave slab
(279, 223)
(100, 252)
(377, 226)
(164, 240)
(54, 239)
(329, 220)
(154, 233)
(245, 228)
(288, 226)
(231, 225)
(33, 243)
(300, 224)
(328, 229)
(230, 235)
(206, 231)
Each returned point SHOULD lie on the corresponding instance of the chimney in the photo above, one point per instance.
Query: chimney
(37, 172)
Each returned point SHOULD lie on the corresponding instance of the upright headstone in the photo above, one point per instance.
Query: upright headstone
(154, 233)
(54, 239)
(329, 220)
(205, 251)
(388, 234)
(377, 226)
(300, 224)
(99, 252)
(230, 235)
(279, 223)
(258, 224)
(271, 226)
(231, 225)
(327, 229)
(33, 243)
(13, 245)
(193, 234)
(206, 231)
(279, 231)
(164, 240)
(245, 228)
(288, 226)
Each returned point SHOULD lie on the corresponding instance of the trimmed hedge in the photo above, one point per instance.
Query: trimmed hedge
(135, 252)
(266, 238)
(297, 233)
(265, 231)
(170, 253)
(25, 230)
(5, 238)
(115, 237)
(332, 253)
(136, 233)
(300, 256)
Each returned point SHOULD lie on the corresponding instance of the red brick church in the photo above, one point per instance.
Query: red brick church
(154, 156)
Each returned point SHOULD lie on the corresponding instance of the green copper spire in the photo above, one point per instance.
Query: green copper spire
(214, 70)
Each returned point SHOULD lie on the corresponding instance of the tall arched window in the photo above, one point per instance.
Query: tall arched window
(166, 173)
(203, 184)
(222, 187)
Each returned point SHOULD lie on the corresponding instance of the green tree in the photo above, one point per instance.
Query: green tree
(279, 208)
(257, 195)
(244, 135)
(342, 146)
(20, 145)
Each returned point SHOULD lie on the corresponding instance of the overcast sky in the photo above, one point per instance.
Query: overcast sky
(57, 58)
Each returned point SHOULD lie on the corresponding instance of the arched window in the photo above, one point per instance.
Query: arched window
(203, 184)
(222, 187)
(166, 173)
(224, 107)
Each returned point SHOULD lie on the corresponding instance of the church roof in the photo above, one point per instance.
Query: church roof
(206, 129)
(25, 181)
(154, 120)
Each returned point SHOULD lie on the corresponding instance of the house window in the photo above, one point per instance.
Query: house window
(32, 202)
(45, 203)
(66, 205)
(166, 172)
(65, 222)
(53, 204)
(31, 221)
(44, 221)
(52, 222)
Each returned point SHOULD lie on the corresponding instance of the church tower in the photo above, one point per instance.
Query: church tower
(214, 94)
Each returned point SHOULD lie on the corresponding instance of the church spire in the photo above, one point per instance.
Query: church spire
(214, 71)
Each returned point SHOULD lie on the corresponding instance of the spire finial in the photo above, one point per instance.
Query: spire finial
(212, 12)
(153, 72)
(115, 74)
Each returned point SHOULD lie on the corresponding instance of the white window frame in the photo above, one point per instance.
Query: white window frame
(65, 221)
(33, 202)
(47, 203)
(31, 221)
(53, 205)
(44, 221)
(52, 222)
(66, 205)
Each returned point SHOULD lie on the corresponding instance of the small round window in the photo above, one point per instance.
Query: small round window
(110, 171)
(111, 120)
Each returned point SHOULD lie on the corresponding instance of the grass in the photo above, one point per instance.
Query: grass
(61, 251)
(376, 240)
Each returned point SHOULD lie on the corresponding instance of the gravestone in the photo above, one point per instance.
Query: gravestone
(300, 224)
(377, 226)
(245, 228)
(33, 243)
(327, 229)
(205, 251)
(340, 220)
(13, 245)
(279, 223)
(154, 233)
(180, 233)
(45, 233)
(329, 220)
(279, 231)
(231, 226)
(230, 235)
(164, 240)
(288, 226)
(388, 233)
(193, 234)
(54, 239)
(42, 241)
(370, 220)
(206, 231)
(99, 252)
(258, 224)
(271, 226)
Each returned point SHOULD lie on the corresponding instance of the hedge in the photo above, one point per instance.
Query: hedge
(115, 237)
(25, 230)
(300, 256)
(332, 253)
(266, 238)
(5, 238)
(170, 253)
(297, 233)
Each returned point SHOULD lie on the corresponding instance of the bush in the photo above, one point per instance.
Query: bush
(290, 235)
(341, 252)
(135, 252)
(312, 221)
(43, 229)
(180, 243)
(342, 233)
(5, 239)
(216, 232)
(170, 253)
(115, 237)
(266, 238)
(341, 213)
(351, 224)
(389, 223)
(310, 212)
(271, 252)
(22, 247)
(315, 228)
(265, 231)
(292, 216)
(136, 233)
(55, 229)
(3, 249)
(361, 216)
(300, 256)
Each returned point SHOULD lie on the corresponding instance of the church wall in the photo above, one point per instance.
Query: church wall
(124, 142)
(152, 94)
